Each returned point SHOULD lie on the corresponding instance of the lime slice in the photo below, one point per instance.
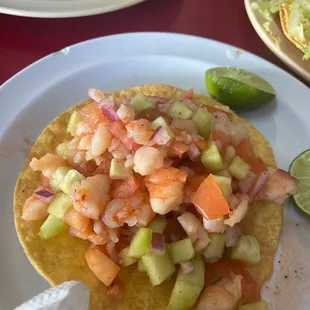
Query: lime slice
(239, 89)
(300, 169)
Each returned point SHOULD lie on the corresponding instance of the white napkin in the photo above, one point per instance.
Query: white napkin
(71, 295)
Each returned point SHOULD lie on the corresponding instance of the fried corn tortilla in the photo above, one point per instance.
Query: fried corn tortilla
(61, 258)
(284, 14)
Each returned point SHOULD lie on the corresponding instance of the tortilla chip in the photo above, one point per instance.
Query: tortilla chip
(61, 258)
(284, 13)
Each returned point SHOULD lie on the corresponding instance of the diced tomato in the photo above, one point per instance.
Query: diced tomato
(209, 200)
(119, 131)
(189, 94)
(193, 182)
(103, 168)
(218, 135)
(177, 148)
(101, 265)
(213, 109)
(45, 181)
(196, 166)
(245, 150)
(116, 290)
(223, 268)
(127, 188)
(258, 165)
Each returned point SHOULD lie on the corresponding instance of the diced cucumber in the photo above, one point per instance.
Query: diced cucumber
(118, 169)
(57, 177)
(224, 184)
(158, 224)
(239, 168)
(59, 205)
(215, 248)
(140, 243)
(71, 177)
(247, 250)
(211, 159)
(126, 260)
(140, 103)
(141, 266)
(158, 268)
(181, 251)
(180, 110)
(188, 287)
(204, 122)
(160, 121)
(260, 305)
(75, 118)
(62, 149)
(51, 227)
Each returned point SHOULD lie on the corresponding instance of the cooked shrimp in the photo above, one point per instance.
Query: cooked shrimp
(118, 149)
(147, 159)
(140, 131)
(85, 143)
(91, 196)
(76, 219)
(237, 214)
(279, 186)
(112, 252)
(223, 295)
(119, 131)
(166, 188)
(190, 224)
(214, 226)
(101, 140)
(93, 115)
(134, 210)
(34, 209)
(47, 164)
(126, 113)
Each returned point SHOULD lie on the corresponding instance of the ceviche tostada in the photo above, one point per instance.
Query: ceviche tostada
(155, 198)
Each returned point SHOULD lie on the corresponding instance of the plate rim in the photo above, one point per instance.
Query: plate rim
(272, 46)
(67, 14)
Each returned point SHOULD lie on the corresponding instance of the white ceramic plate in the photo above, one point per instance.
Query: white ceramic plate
(62, 8)
(277, 42)
(32, 98)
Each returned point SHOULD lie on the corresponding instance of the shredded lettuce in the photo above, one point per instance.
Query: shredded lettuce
(299, 21)
(307, 53)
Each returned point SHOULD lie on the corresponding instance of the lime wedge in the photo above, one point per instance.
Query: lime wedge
(239, 89)
(300, 169)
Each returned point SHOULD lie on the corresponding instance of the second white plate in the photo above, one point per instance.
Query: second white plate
(62, 8)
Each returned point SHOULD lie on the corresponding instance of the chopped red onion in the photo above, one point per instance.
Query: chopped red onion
(193, 152)
(258, 185)
(109, 113)
(162, 137)
(155, 133)
(247, 182)
(44, 193)
(189, 104)
(95, 94)
(158, 99)
(187, 267)
(126, 100)
(233, 235)
(158, 243)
